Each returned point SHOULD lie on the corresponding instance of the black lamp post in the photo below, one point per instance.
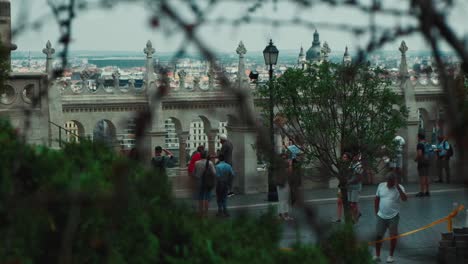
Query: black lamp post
(270, 54)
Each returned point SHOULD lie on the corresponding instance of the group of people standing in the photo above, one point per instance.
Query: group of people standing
(207, 172)
(212, 172)
(426, 156)
(386, 204)
(287, 177)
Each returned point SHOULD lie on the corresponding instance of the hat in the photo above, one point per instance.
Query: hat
(223, 137)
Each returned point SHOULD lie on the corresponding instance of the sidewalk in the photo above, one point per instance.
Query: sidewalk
(327, 196)
(421, 247)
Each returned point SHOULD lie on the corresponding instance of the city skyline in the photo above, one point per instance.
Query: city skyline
(115, 29)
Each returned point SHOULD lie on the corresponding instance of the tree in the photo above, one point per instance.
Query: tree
(333, 108)
(86, 204)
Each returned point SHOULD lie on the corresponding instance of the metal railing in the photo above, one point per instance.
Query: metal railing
(66, 131)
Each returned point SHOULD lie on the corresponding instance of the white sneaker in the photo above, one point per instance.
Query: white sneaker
(390, 259)
(376, 258)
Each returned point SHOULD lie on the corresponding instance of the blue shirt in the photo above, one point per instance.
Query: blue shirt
(443, 147)
(224, 171)
(294, 150)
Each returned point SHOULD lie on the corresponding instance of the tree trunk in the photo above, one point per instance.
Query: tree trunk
(344, 199)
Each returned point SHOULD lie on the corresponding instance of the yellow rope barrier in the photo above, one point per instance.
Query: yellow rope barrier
(448, 218)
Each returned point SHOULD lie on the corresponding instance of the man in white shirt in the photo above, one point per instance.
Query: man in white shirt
(387, 210)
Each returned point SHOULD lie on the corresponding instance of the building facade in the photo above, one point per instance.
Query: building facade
(185, 118)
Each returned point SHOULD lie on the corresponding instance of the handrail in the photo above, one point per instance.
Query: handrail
(66, 130)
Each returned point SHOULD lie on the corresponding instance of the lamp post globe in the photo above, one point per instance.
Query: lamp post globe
(270, 54)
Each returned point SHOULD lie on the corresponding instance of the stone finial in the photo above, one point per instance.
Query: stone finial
(116, 76)
(241, 50)
(403, 65)
(149, 50)
(211, 76)
(48, 50)
(182, 74)
(403, 48)
(196, 83)
(85, 74)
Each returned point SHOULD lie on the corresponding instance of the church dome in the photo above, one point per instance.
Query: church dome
(313, 54)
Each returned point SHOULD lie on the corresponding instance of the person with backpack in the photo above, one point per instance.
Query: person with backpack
(444, 153)
(159, 161)
(205, 174)
(224, 173)
(423, 158)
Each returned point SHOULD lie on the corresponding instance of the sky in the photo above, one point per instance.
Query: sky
(125, 27)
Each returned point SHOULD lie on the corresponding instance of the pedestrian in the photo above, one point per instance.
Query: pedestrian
(226, 151)
(224, 173)
(423, 158)
(354, 187)
(203, 172)
(196, 156)
(339, 201)
(160, 162)
(396, 163)
(339, 207)
(387, 210)
(295, 160)
(443, 158)
(281, 174)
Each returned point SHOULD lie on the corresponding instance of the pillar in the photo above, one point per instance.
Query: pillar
(212, 142)
(411, 137)
(244, 159)
(412, 123)
(241, 77)
(149, 75)
(54, 100)
(49, 51)
(5, 28)
(182, 150)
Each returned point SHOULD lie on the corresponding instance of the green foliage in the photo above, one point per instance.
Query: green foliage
(343, 247)
(118, 212)
(333, 107)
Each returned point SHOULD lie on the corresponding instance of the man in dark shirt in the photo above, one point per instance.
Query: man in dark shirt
(159, 161)
(226, 152)
(423, 166)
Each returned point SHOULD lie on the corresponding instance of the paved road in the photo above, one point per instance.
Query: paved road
(416, 212)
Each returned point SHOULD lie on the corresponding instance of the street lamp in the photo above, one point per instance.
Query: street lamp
(270, 54)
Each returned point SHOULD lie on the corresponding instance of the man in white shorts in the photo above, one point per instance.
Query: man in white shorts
(387, 210)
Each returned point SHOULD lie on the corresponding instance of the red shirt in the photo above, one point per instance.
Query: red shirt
(191, 167)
